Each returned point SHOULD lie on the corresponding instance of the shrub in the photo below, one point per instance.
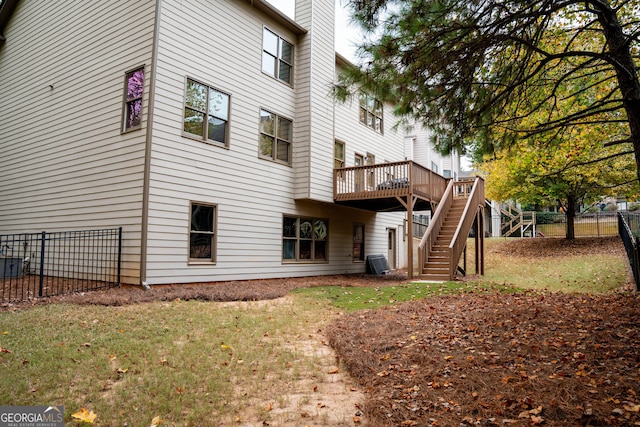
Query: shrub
(548, 217)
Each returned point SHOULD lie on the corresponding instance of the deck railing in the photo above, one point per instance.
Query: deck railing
(474, 202)
(387, 180)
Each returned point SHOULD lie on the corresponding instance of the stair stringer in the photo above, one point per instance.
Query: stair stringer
(473, 207)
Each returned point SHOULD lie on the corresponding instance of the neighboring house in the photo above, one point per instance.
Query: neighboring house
(206, 129)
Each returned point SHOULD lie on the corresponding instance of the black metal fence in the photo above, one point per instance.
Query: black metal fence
(34, 265)
(629, 230)
(587, 224)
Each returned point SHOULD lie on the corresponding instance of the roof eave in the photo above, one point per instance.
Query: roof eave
(282, 19)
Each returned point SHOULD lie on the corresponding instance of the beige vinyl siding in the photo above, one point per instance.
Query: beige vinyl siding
(251, 194)
(389, 146)
(219, 45)
(314, 156)
(65, 163)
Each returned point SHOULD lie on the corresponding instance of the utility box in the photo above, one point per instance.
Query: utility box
(10, 267)
(377, 264)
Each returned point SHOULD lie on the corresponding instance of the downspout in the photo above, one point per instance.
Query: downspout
(148, 146)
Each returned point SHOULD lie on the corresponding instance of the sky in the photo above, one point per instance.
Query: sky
(346, 34)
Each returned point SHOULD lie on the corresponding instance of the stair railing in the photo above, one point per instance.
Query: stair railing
(428, 239)
(459, 240)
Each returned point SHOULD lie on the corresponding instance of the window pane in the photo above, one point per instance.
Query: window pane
(201, 218)
(284, 129)
(306, 229)
(134, 113)
(266, 145)
(285, 72)
(289, 227)
(267, 122)
(363, 100)
(305, 249)
(378, 124)
(283, 151)
(320, 229)
(193, 121)
(363, 116)
(378, 108)
(286, 51)
(269, 64)
(218, 104)
(339, 151)
(135, 84)
(289, 249)
(196, 95)
(217, 130)
(320, 250)
(270, 42)
(200, 245)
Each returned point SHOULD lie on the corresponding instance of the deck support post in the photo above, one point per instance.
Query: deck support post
(409, 204)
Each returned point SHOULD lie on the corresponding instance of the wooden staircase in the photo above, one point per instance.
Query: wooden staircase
(442, 245)
(514, 220)
(437, 264)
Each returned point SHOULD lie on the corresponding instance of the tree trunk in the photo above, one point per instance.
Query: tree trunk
(571, 218)
(619, 52)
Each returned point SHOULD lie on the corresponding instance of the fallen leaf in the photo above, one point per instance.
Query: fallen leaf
(84, 416)
(156, 421)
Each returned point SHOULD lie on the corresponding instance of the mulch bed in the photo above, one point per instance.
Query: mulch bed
(250, 290)
(522, 359)
(494, 359)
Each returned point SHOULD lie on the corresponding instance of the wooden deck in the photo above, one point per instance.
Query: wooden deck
(388, 187)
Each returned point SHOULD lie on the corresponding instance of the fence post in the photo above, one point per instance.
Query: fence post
(119, 252)
(44, 238)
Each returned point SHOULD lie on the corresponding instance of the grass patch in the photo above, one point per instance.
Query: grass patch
(558, 271)
(188, 362)
(359, 298)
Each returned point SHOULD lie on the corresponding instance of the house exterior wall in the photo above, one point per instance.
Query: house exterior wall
(65, 163)
(76, 169)
(251, 194)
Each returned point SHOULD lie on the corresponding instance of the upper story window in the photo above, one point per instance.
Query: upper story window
(371, 112)
(206, 113)
(338, 154)
(132, 109)
(277, 56)
(275, 137)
